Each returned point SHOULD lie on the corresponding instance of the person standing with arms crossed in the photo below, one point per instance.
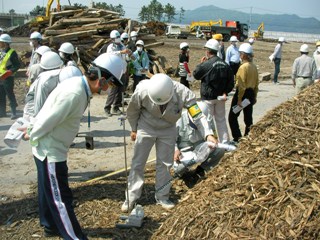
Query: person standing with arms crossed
(247, 81)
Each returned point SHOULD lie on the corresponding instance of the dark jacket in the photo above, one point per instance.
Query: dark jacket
(216, 78)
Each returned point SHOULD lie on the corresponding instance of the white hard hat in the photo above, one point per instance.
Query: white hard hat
(212, 44)
(251, 40)
(160, 89)
(246, 48)
(111, 66)
(114, 34)
(69, 72)
(234, 39)
(124, 36)
(318, 49)
(140, 42)
(133, 34)
(1, 30)
(67, 48)
(304, 48)
(184, 45)
(5, 38)
(35, 35)
(50, 60)
(281, 39)
(42, 49)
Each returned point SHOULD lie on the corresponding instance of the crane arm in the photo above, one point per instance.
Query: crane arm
(48, 9)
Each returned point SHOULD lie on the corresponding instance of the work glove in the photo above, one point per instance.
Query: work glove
(7, 74)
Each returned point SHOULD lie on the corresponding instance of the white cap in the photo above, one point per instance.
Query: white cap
(67, 48)
(50, 60)
(124, 36)
(114, 34)
(133, 34)
(140, 42)
(251, 40)
(234, 39)
(69, 72)
(36, 35)
(246, 48)
(281, 39)
(160, 89)
(5, 38)
(184, 45)
(212, 44)
(304, 48)
(42, 49)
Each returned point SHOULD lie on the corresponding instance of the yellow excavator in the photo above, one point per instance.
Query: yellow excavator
(260, 31)
(48, 11)
(196, 24)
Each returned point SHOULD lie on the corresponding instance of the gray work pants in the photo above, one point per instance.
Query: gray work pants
(164, 140)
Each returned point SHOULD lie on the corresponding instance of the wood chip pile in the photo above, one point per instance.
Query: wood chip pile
(268, 189)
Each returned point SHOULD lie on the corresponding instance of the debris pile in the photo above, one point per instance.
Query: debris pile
(268, 189)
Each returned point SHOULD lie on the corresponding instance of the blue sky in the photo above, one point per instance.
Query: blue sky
(306, 8)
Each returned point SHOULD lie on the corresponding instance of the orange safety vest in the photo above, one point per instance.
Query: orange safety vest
(3, 64)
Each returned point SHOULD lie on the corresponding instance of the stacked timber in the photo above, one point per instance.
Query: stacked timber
(88, 30)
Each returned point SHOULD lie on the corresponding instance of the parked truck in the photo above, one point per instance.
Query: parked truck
(174, 31)
(231, 28)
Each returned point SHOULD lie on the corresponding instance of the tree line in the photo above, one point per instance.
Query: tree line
(155, 11)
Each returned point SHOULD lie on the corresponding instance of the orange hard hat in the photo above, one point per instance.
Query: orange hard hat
(217, 36)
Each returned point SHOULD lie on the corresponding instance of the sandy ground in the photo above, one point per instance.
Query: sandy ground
(17, 168)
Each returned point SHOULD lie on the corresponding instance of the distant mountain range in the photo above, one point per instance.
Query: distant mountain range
(272, 22)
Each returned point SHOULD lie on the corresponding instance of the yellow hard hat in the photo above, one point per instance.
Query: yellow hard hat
(318, 44)
(217, 36)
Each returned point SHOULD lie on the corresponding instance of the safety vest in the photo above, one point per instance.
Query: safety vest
(3, 64)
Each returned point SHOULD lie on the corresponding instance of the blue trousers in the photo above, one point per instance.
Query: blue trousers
(277, 62)
(55, 200)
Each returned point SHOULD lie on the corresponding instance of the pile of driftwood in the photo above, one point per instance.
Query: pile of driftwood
(88, 30)
(268, 189)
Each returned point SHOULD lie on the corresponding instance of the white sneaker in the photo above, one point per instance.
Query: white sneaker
(166, 204)
(124, 207)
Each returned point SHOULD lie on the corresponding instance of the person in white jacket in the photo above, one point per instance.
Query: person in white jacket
(53, 131)
(152, 112)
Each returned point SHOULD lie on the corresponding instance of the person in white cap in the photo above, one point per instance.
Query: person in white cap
(247, 82)
(35, 43)
(233, 55)
(115, 93)
(140, 64)
(317, 51)
(36, 69)
(184, 70)
(66, 52)
(217, 80)
(9, 65)
(251, 41)
(153, 111)
(304, 69)
(188, 139)
(132, 41)
(53, 131)
(277, 54)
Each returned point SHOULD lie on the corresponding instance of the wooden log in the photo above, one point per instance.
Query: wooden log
(100, 43)
(160, 69)
(81, 21)
(156, 44)
(54, 32)
(70, 36)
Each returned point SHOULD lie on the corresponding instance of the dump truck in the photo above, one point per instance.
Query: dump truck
(231, 28)
(174, 31)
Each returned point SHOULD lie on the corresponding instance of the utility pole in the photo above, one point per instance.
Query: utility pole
(250, 18)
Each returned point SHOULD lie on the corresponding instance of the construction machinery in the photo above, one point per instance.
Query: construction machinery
(48, 11)
(203, 28)
(260, 31)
